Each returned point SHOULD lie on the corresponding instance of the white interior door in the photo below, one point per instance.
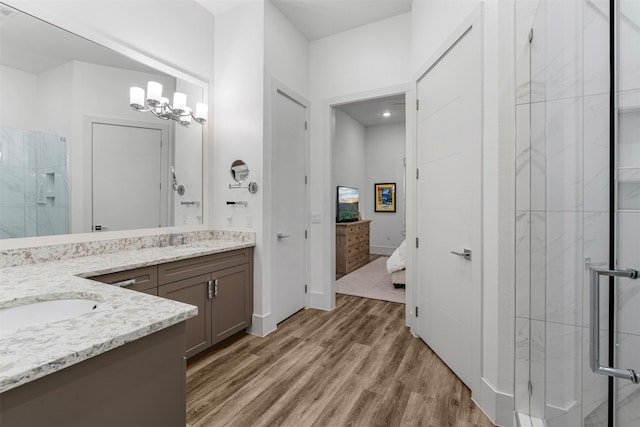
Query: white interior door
(126, 182)
(289, 206)
(449, 141)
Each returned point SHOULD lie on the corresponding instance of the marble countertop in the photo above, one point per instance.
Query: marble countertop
(121, 315)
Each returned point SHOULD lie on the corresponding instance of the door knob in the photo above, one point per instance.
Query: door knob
(283, 236)
(466, 254)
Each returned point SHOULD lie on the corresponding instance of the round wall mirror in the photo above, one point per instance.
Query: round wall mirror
(239, 171)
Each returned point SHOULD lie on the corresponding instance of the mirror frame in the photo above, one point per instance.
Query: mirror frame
(94, 36)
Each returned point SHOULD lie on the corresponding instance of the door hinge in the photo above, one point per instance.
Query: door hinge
(530, 35)
(416, 311)
(417, 242)
(530, 386)
(417, 104)
(305, 289)
(305, 125)
(417, 173)
(305, 180)
(305, 234)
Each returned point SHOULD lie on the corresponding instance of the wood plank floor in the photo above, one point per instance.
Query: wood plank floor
(357, 365)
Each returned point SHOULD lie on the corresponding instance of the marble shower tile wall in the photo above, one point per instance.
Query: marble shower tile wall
(595, 14)
(563, 369)
(523, 264)
(563, 60)
(522, 343)
(629, 40)
(564, 264)
(596, 153)
(563, 171)
(12, 182)
(525, 14)
(33, 178)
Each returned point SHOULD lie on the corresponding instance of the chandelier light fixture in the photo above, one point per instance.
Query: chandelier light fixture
(159, 106)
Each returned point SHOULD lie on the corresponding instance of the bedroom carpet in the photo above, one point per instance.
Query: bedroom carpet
(371, 281)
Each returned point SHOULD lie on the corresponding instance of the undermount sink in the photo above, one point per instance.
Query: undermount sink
(42, 312)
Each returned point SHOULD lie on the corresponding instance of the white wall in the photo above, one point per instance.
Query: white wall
(385, 153)
(363, 60)
(254, 44)
(19, 89)
(286, 69)
(349, 160)
(238, 125)
(286, 52)
(433, 22)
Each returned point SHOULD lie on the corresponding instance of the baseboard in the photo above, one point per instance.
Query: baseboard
(262, 325)
(316, 300)
(498, 406)
(522, 420)
(381, 250)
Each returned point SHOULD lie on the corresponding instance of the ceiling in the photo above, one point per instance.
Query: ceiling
(369, 112)
(49, 46)
(317, 19)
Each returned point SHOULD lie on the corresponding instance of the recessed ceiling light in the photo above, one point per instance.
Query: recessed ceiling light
(386, 114)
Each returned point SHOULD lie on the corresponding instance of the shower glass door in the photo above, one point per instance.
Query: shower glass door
(578, 209)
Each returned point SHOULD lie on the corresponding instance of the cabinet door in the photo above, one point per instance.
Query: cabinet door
(232, 303)
(193, 291)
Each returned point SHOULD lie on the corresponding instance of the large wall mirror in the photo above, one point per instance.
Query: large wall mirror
(74, 157)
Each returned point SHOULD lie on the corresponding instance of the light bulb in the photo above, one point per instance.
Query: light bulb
(154, 93)
(136, 98)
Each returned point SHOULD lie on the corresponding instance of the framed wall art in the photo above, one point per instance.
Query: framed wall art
(385, 197)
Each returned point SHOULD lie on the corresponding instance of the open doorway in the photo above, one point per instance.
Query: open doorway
(369, 168)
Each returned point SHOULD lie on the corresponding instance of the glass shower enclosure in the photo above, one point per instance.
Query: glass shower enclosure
(578, 212)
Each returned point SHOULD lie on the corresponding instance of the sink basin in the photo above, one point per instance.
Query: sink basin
(42, 312)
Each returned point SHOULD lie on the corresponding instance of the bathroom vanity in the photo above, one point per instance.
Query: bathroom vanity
(123, 362)
(219, 285)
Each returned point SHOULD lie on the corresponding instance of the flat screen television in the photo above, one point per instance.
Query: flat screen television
(347, 205)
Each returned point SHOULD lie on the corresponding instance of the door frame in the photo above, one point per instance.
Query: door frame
(474, 21)
(267, 322)
(328, 300)
(166, 157)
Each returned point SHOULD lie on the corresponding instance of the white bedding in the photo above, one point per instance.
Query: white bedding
(397, 260)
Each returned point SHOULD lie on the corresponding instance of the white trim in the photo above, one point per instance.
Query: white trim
(262, 325)
(316, 300)
(382, 250)
(498, 406)
(328, 300)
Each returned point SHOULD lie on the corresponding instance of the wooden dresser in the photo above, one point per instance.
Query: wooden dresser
(352, 245)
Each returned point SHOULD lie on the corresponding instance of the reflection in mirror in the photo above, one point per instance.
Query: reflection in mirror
(239, 171)
(74, 157)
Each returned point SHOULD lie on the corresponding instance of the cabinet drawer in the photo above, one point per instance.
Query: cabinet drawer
(141, 279)
(180, 270)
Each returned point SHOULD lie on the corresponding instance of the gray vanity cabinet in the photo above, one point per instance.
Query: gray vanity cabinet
(220, 285)
(232, 302)
(193, 291)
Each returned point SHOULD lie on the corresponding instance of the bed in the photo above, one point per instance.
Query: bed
(396, 266)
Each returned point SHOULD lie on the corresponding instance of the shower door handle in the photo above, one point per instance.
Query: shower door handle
(594, 324)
